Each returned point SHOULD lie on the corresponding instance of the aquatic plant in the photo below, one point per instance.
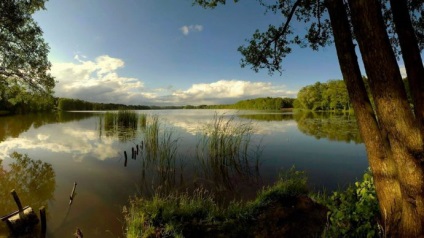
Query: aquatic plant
(160, 156)
(143, 120)
(127, 119)
(199, 215)
(225, 150)
(151, 137)
(122, 124)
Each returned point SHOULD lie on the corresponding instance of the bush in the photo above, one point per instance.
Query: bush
(353, 212)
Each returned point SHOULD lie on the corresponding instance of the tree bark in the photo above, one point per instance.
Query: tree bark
(398, 126)
(381, 163)
(411, 57)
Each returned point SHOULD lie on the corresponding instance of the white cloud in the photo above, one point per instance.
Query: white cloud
(99, 81)
(96, 81)
(229, 91)
(191, 28)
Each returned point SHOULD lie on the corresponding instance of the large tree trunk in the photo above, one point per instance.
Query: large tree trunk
(397, 123)
(382, 164)
(411, 57)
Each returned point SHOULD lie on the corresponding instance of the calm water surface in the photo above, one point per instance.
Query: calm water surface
(56, 150)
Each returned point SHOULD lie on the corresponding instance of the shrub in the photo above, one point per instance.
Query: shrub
(353, 212)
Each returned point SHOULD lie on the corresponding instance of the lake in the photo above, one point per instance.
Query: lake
(55, 150)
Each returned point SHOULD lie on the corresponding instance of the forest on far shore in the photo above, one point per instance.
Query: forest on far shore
(329, 96)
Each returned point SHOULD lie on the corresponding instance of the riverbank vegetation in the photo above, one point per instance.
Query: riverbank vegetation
(268, 103)
(331, 95)
(285, 209)
(197, 214)
(68, 104)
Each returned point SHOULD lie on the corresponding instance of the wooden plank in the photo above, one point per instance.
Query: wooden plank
(12, 214)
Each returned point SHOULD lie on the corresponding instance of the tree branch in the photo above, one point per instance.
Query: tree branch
(280, 33)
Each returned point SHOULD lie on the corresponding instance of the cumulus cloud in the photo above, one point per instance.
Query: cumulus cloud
(191, 28)
(229, 91)
(98, 80)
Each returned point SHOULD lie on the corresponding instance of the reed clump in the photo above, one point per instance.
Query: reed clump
(122, 124)
(143, 120)
(226, 151)
(127, 119)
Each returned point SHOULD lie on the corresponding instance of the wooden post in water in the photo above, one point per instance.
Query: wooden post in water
(142, 145)
(17, 201)
(71, 198)
(43, 221)
(137, 149)
(125, 163)
(133, 153)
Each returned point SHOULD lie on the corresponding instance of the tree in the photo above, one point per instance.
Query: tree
(393, 133)
(23, 52)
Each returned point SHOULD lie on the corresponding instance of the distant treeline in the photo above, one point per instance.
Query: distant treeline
(68, 104)
(267, 103)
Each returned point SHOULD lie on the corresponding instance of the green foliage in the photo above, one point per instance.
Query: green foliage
(267, 103)
(123, 124)
(16, 98)
(198, 214)
(323, 96)
(290, 183)
(264, 103)
(23, 52)
(353, 212)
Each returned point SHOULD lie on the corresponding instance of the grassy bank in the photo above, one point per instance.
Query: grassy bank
(198, 215)
(284, 209)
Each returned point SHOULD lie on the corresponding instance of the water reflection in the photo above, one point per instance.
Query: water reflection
(89, 152)
(225, 159)
(116, 126)
(13, 126)
(268, 117)
(33, 180)
(332, 126)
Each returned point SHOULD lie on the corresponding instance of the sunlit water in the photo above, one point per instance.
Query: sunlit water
(76, 147)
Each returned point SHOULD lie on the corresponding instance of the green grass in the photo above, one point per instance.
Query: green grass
(143, 120)
(225, 150)
(151, 137)
(127, 119)
(198, 214)
(122, 124)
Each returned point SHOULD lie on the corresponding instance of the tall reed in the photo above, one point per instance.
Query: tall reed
(143, 120)
(151, 136)
(224, 150)
(122, 124)
(160, 153)
(127, 119)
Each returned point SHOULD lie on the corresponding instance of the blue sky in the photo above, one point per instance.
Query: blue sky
(163, 52)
